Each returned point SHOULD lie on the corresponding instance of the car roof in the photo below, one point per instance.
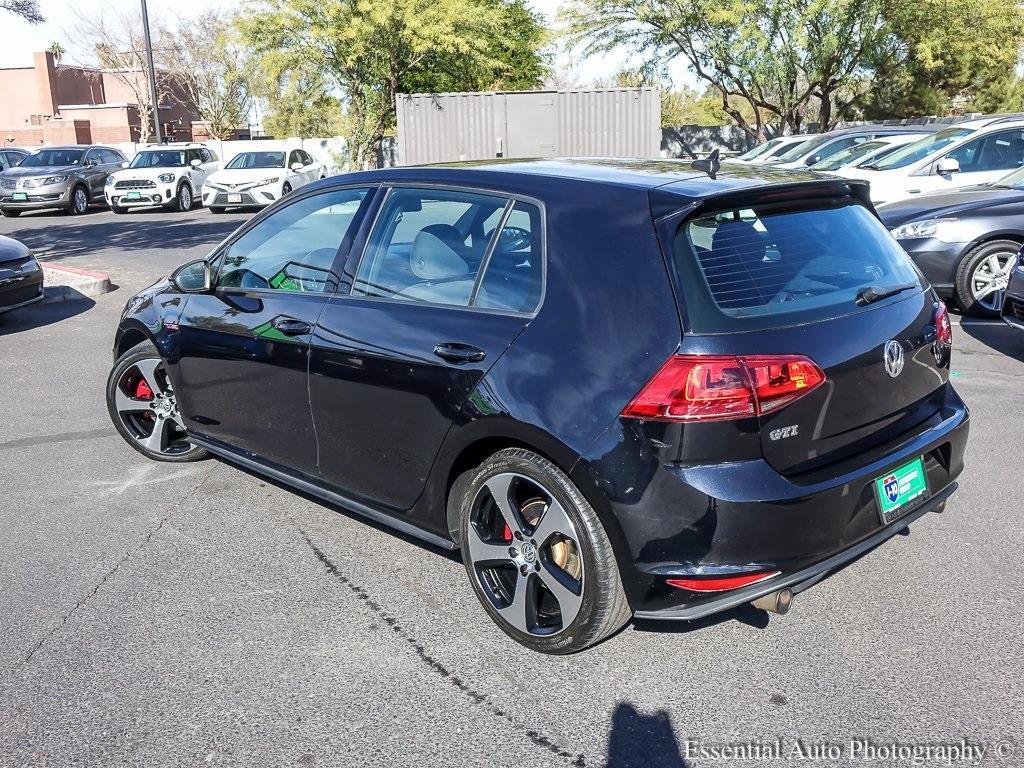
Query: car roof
(73, 146)
(683, 177)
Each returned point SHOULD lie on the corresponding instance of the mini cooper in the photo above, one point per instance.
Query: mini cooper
(620, 388)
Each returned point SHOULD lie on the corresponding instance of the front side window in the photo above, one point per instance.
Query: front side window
(428, 245)
(294, 248)
(1002, 151)
(773, 266)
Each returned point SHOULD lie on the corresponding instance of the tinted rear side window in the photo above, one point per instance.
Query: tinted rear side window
(754, 268)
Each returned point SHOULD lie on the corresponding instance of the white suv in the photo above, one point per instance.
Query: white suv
(170, 175)
(972, 152)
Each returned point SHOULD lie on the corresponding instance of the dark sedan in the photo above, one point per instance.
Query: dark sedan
(620, 388)
(964, 240)
(21, 278)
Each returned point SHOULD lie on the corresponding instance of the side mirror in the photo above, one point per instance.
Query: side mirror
(947, 165)
(297, 166)
(124, 164)
(196, 162)
(193, 277)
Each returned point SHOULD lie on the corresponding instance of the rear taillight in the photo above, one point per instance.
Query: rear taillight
(702, 388)
(720, 583)
(943, 327)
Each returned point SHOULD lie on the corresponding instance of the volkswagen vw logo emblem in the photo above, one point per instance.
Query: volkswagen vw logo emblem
(893, 358)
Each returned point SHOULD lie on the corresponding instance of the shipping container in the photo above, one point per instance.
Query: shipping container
(604, 122)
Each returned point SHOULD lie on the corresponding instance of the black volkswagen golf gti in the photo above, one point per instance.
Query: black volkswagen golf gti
(619, 388)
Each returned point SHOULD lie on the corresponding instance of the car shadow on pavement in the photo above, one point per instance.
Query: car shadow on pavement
(43, 314)
(996, 335)
(642, 741)
(80, 236)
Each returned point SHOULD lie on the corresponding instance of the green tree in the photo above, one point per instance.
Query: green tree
(57, 50)
(371, 51)
(298, 99)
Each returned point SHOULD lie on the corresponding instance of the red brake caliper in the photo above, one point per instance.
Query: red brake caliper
(506, 535)
(142, 390)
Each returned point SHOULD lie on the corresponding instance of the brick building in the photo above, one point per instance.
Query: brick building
(51, 103)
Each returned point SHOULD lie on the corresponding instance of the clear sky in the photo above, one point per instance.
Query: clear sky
(21, 39)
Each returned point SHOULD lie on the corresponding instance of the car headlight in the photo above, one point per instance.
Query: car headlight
(45, 181)
(946, 230)
(166, 178)
(109, 182)
(55, 180)
(268, 181)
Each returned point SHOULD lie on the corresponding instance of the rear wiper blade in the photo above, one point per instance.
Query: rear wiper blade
(874, 293)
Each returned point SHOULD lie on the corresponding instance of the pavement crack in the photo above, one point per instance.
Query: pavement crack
(108, 575)
(477, 698)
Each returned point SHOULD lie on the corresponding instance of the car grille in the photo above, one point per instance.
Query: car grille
(1015, 307)
(8, 184)
(135, 184)
(222, 199)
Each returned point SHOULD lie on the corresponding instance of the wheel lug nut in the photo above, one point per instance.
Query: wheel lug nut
(513, 552)
(524, 570)
(536, 567)
(519, 535)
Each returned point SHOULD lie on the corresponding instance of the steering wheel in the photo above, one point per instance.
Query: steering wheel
(243, 278)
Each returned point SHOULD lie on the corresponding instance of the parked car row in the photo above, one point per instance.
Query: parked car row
(177, 176)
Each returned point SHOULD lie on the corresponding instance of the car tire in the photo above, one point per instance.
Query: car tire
(216, 209)
(977, 267)
(183, 199)
(585, 602)
(79, 204)
(10, 213)
(141, 403)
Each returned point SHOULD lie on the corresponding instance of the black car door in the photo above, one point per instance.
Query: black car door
(241, 370)
(447, 280)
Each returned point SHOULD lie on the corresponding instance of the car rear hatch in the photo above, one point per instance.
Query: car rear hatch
(807, 273)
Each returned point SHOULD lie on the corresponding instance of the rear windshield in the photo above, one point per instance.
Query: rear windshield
(772, 266)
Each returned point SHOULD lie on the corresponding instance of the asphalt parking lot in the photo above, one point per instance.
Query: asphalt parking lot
(161, 614)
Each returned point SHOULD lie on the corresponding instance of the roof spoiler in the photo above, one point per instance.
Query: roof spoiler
(709, 165)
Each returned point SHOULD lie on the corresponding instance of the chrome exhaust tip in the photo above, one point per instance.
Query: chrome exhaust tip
(776, 602)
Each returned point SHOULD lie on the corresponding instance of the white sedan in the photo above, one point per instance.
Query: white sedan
(256, 179)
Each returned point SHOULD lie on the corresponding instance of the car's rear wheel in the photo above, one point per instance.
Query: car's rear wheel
(983, 275)
(537, 555)
(10, 212)
(79, 201)
(143, 407)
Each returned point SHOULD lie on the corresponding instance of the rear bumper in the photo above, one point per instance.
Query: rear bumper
(743, 516)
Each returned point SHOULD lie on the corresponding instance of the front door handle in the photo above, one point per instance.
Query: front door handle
(289, 326)
(459, 353)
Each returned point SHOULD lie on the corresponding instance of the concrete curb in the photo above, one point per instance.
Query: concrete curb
(64, 283)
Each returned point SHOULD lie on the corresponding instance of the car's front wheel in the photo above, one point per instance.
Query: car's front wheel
(537, 555)
(183, 199)
(983, 275)
(79, 204)
(144, 409)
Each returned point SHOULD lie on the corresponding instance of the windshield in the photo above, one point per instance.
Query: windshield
(759, 150)
(920, 149)
(257, 160)
(52, 157)
(804, 147)
(1012, 180)
(776, 265)
(847, 156)
(162, 159)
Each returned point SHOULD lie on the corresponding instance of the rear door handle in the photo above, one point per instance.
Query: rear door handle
(459, 353)
(289, 326)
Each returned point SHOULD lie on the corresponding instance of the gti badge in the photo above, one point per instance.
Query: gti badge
(893, 358)
(784, 432)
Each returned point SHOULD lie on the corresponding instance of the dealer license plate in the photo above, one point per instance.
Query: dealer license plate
(234, 198)
(134, 195)
(901, 490)
(22, 196)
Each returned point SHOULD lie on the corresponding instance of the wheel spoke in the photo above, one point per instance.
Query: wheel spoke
(125, 404)
(148, 370)
(984, 277)
(559, 586)
(521, 612)
(554, 520)
(499, 487)
(990, 288)
(481, 551)
(993, 264)
(157, 440)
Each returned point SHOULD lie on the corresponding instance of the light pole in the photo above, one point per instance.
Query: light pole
(152, 73)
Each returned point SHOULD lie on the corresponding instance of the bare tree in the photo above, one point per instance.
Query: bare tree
(114, 41)
(27, 9)
(213, 69)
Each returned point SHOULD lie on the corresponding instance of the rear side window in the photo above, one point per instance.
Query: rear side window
(754, 268)
(514, 275)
